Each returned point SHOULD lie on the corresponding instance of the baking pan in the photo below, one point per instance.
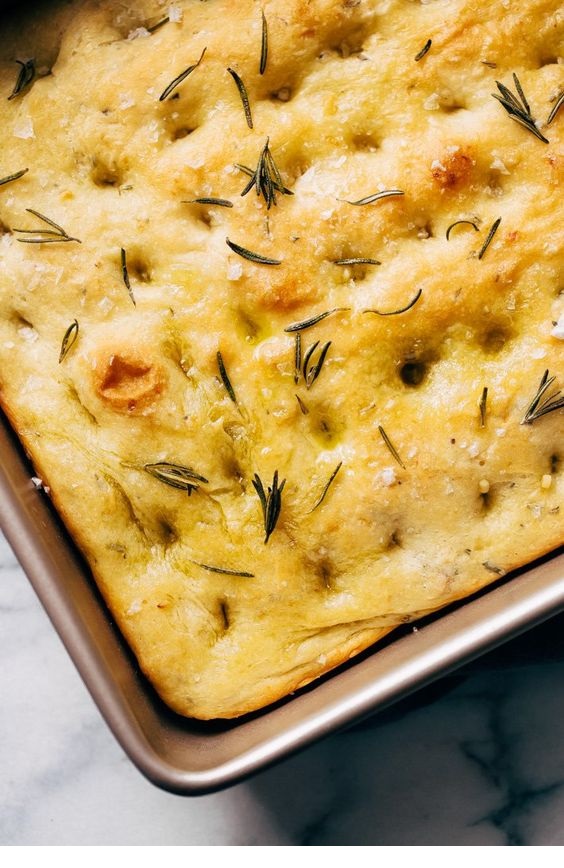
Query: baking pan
(190, 757)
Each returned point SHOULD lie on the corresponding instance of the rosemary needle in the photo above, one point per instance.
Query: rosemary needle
(413, 302)
(556, 108)
(327, 486)
(13, 177)
(125, 274)
(313, 320)
(390, 446)
(421, 54)
(489, 239)
(224, 378)
(483, 407)
(211, 200)
(180, 78)
(25, 77)
(243, 94)
(356, 260)
(69, 338)
(257, 258)
(375, 197)
(226, 572)
(460, 223)
(263, 45)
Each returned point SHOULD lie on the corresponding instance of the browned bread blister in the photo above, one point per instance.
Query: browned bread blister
(290, 420)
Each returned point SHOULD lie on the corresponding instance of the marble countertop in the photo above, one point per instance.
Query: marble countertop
(475, 759)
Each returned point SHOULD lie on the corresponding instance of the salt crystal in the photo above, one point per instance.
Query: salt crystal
(23, 128)
(235, 271)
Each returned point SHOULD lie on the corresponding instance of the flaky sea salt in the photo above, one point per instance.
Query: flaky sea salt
(23, 128)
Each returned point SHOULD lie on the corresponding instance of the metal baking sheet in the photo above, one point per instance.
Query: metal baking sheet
(191, 757)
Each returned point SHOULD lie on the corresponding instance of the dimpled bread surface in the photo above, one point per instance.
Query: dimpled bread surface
(407, 486)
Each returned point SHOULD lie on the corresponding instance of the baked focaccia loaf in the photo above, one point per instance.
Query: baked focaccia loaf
(282, 315)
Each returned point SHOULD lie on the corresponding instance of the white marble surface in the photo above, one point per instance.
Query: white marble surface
(475, 760)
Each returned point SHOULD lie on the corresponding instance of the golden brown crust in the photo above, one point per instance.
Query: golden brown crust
(438, 490)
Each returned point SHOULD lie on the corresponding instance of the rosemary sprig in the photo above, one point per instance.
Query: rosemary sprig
(313, 320)
(459, 223)
(390, 446)
(411, 304)
(298, 358)
(211, 200)
(312, 371)
(375, 197)
(25, 77)
(180, 78)
(224, 378)
(556, 108)
(46, 236)
(225, 572)
(518, 108)
(270, 501)
(421, 54)
(265, 178)
(327, 487)
(489, 239)
(176, 475)
(257, 258)
(13, 177)
(541, 403)
(125, 274)
(69, 339)
(243, 94)
(483, 407)
(263, 45)
(356, 260)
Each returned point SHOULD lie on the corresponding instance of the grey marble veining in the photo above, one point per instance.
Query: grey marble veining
(476, 759)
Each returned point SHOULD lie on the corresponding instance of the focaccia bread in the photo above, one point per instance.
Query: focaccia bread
(282, 315)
